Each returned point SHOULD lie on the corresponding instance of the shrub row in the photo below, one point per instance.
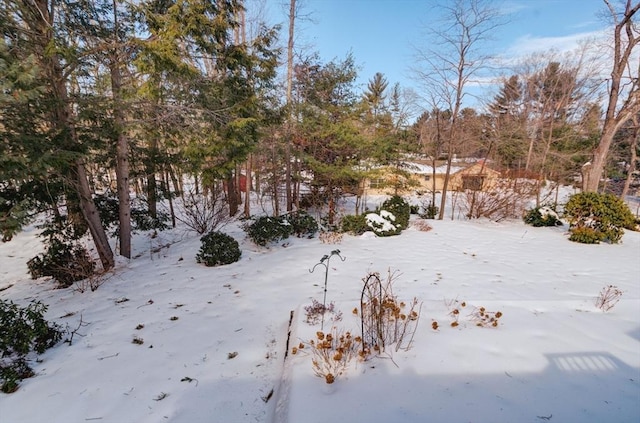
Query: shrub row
(267, 229)
(592, 217)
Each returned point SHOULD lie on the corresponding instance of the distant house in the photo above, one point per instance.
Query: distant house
(477, 176)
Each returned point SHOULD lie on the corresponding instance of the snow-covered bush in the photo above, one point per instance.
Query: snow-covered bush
(397, 206)
(542, 216)
(391, 218)
(383, 223)
(218, 249)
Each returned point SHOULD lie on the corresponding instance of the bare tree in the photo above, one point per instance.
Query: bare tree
(454, 59)
(290, 43)
(623, 88)
(296, 14)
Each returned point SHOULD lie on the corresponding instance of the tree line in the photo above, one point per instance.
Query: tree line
(100, 99)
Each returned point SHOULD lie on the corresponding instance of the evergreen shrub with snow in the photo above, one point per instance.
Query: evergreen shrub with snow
(354, 224)
(596, 218)
(383, 223)
(267, 229)
(542, 216)
(391, 218)
(217, 249)
(397, 206)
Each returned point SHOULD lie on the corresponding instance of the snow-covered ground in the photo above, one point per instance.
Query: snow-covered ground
(212, 341)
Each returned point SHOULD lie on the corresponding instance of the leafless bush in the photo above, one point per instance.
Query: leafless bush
(385, 320)
(316, 311)
(330, 237)
(203, 213)
(483, 318)
(608, 298)
(421, 225)
(478, 315)
(508, 199)
(91, 282)
(332, 353)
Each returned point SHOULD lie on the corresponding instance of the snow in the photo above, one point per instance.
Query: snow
(214, 339)
(381, 222)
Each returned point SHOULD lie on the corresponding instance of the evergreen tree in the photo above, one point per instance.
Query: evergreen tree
(329, 135)
(36, 30)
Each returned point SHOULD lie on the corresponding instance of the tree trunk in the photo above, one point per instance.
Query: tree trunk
(287, 150)
(596, 168)
(167, 193)
(635, 138)
(41, 24)
(615, 117)
(122, 154)
(90, 213)
(247, 188)
(150, 170)
(445, 186)
(232, 198)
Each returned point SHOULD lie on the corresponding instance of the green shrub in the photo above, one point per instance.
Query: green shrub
(605, 214)
(400, 209)
(22, 330)
(585, 235)
(354, 224)
(108, 209)
(383, 223)
(217, 249)
(63, 261)
(268, 229)
(14, 213)
(430, 211)
(542, 216)
(302, 224)
(390, 218)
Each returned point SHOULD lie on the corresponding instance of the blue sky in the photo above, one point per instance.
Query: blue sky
(382, 34)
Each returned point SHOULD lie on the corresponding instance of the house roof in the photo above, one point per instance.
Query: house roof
(426, 169)
(422, 169)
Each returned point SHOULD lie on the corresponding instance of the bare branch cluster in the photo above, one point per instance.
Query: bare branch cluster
(385, 320)
(203, 213)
